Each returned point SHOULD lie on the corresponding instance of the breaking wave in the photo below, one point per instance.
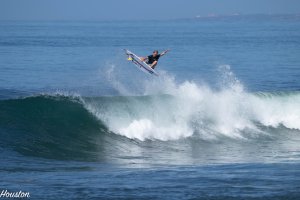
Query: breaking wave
(64, 126)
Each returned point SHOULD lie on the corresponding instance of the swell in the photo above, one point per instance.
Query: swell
(57, 127)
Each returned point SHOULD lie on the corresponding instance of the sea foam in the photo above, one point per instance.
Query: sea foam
(167, 110)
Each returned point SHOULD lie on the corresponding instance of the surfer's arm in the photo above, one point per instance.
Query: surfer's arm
(163, 53)
(153, 64)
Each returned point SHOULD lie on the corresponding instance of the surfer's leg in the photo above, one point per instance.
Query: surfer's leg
(143, 59)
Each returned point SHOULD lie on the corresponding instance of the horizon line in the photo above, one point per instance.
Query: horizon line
(208, 16)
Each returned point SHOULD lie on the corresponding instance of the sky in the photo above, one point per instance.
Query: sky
(138, 9)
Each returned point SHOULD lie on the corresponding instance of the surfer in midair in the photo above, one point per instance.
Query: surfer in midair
(152, 60)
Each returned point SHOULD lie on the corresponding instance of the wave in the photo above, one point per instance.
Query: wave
(192, 110)
(64, 126)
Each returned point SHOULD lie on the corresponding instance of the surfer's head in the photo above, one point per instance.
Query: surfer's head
(155, 53)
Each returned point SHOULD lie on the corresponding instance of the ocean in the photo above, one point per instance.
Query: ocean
(221, 121)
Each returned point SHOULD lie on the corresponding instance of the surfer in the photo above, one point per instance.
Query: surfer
(152, 60)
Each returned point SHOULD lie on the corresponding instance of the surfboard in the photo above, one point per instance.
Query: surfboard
(139, 63)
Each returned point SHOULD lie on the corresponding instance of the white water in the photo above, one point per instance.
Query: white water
(196, 109)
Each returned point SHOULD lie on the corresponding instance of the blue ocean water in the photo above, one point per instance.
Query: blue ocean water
(222, 120)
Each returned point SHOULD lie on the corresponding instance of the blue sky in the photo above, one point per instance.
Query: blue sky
(138, 9)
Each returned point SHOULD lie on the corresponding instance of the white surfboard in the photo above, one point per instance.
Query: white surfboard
(139, 63)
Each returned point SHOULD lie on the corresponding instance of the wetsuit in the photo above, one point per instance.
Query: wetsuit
(151, 59)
